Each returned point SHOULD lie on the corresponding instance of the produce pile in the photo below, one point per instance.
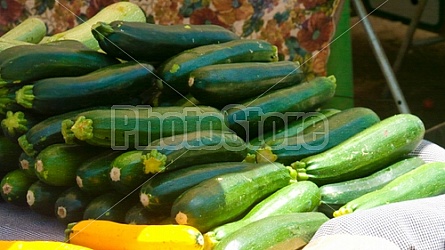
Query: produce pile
(188, 136)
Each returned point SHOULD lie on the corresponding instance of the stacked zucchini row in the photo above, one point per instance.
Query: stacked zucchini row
(138, 123)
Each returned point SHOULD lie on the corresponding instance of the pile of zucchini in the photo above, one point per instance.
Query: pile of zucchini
(138, 123)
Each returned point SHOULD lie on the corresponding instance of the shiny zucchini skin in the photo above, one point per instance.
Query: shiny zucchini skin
(221, 84)
(42, 197)
(341, 193)
(24, 64)
(158, 193)
(216, 201)
(154, 42)
(134, 127)
(422, 182)
(110, 206)
(14, 187)
(175, 71)
(298, 197)
(93, 175)
(365, 152)
(259, 115)
(114, 84)
(57, 164)
(286, 231)
(323, 135)
(193, 148)
(71, 204)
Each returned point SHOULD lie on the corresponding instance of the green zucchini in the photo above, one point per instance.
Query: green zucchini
(14, 187)
(193, 148)
(323, 135)
(138, 215)
(57, 164)
(154, 42)
(114, 84)
(297, 197)
(7, 98)
(25, 64)
(158, 193)
(93, 175)
(8, 43)
(110, 206)
(286, 231)
(421, 182)
(222, 199)
(31, 30)
(134, 127)
(292, 128)
(222, 84)
(341, 193)
(364, 153)
(41, 197)
(259, 115)
(126, 11)
(16, 124)
(26, 163)
(174, 72)
(71, 204)
(9, 154)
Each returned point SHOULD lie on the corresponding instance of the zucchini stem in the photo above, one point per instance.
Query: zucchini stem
(27, 147)
(265, 155)
(101, 30)
(15, 123)
(68, 135)
(83, 128)
(25, 96)
(154, 162)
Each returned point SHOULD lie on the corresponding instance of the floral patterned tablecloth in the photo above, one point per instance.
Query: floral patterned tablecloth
(301, 29)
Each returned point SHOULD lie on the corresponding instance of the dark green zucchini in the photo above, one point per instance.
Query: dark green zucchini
(341, 193)
(16, 124)
(154, 42)
(46, 132)
(7, 99)
(93, 175)
(41, 197)
(71, 204)
(286, 231)
(114, 84)
(15, 185)
(110, 206)
(421, 182)
(298, 197)
(323, 135)
(221, 84)
(57, 164)
(138, 215)
(158, 193)
(24, 63)
(222, 199)
(26, 163)
(135, 127)
(306, 119)
(9, 154)
(259, 115)
(175, 71)
(193, 148)
(364, 153)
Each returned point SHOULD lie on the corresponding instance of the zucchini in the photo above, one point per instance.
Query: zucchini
(138, 215)
(341, 193)
(193, 148)
(25, 64)
(114, 84)
(297, 197)
(41, 197)
(110, 206)
(8, 43)
(26, 163)
(134, 127)
(57, 164)
(125, 11)
(16, 124)
(222, 199)
(286, 231)
(9, 154)
(31, 30)
(259, 115)
(174, 72)
(364, 153)
(158, 193)
(154, 42)
(306, 119)
(93, 175)
(7, 99)
(14, 187)
(421, 182)
(222, 84)
(71, 204)
(323, 135)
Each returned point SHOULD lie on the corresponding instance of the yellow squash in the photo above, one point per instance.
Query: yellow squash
(108, 235)
(39, 245)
